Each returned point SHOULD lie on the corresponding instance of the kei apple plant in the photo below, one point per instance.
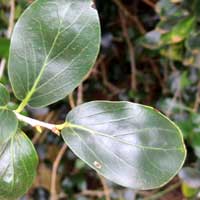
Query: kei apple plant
(53, 47)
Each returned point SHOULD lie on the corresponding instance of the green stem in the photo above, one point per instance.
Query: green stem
(24, 103)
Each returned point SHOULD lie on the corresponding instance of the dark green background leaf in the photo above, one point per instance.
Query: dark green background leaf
(127, 143)
(4, 47)
(53, 47)
(18, 162)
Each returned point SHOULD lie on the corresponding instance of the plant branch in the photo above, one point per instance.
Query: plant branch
(11, 18)
(9, 33)
(162, 193)
(114, 90)
(2, 67)
(197, 100)
(149, 3)
(92, 193)
(54, 171)
(131, 52)
(71, 101)
(58, 159)
(105, 187)
(80, 94)
(36, 123)
(132, 17)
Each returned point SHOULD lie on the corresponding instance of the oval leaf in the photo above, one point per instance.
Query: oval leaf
(179, 32)
(8, 125)
(53, 47)
(4, 96)
(131, 144)
(18, 162)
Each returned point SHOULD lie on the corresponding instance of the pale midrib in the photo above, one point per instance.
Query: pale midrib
(31, 92)
(119, 140)
(46, 62)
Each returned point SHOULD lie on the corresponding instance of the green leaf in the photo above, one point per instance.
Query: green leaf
(180, 32)
(196, 7)
(53, 47)
(193, 43)
(151, 40)
(4, 96)
(166, 9)
(130, 144)
(8, 125)
(191, 59)
(188, 191)
(18, 163)
(173, 52)
(4, 47)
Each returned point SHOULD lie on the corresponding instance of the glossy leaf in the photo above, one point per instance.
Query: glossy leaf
(8, 125)
(130, 144)
(53, 47)
(4, 96)
(18, 162)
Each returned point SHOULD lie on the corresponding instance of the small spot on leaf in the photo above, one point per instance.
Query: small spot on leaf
(97, 165)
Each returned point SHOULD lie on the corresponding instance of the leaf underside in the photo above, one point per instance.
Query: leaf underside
(18, 162)
(130, 144)
(53, 47)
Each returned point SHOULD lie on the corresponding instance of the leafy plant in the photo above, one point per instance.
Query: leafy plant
(53, 47)
(176, 36)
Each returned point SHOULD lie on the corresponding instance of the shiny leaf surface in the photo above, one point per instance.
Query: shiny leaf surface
(18, 162)
(130, 144)
(53, 47)
(8, 125)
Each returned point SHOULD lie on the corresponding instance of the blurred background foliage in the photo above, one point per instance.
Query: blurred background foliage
(150, 54)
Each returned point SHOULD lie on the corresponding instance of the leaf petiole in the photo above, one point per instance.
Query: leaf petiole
(40, 124)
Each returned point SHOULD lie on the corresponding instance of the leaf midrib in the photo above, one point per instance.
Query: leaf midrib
(93, 132)
(37, 80)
